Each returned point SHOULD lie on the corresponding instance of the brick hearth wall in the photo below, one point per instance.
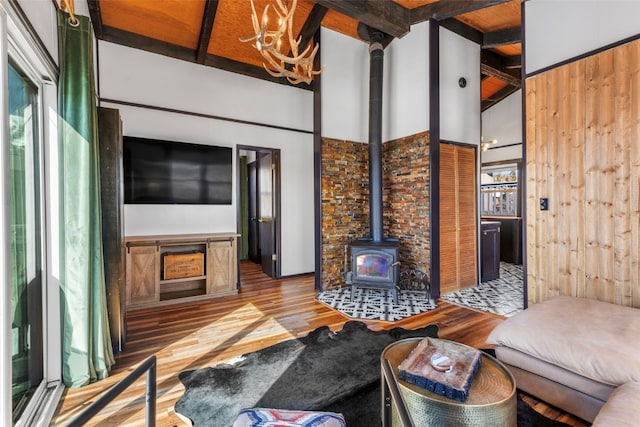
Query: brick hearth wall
(405, 178)
(345, 201)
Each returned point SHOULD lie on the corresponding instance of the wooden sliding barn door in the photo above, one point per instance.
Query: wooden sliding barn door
(458, 223)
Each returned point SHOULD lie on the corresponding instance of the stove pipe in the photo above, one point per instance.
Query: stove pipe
(376, 66)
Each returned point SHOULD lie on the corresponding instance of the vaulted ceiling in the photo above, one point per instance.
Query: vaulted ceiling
(208, 31)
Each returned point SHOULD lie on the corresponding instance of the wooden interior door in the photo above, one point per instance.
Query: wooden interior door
(458, 218)
(266, 213)
(254, 254)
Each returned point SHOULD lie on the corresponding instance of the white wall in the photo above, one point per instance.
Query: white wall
(557, 30)
(145, 78)
(406, 81)
(503, 122)
(42, 16)
(459, 107)
(345, 87)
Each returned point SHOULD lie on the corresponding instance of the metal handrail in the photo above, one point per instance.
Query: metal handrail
(148, 366)
(499, 198)
(391, 381)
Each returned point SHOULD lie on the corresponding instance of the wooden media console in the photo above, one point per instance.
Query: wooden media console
(162, 270)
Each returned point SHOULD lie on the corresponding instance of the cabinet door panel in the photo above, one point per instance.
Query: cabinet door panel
(221, 268)
(143, 275)
(458, 218)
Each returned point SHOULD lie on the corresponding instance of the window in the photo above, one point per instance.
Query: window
(30, 343)
(499, 190)
(26, 249)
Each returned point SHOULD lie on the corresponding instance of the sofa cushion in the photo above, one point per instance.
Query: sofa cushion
(621, 410)
(591, 338)
(554, 373)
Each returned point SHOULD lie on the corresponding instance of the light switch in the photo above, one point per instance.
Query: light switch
(544, 204)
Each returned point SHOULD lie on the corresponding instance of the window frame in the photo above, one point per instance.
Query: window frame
(19, 42)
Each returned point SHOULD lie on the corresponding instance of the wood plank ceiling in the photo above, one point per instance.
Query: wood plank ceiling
(208, 31)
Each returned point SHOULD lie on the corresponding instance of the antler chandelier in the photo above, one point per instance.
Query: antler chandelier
(298, 67)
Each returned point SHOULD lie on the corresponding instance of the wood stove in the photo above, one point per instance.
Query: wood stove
(374, 265)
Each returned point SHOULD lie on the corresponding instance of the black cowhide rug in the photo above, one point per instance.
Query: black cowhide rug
(338, 372)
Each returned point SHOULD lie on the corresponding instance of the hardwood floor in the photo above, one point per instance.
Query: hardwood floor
(266, 311)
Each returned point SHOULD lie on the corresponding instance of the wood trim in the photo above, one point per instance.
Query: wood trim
(503, 146)
(497, 97)
(277, 202)
(502, 37)
(523, 169)
(577, 57)
(317, 166)
(493, 64)
(203, 115)
(96, 17)
(513, 61)
(434, 155)
(238, 219)
(463, 30)
(384, 15)
(248, 70)
(311, 27)
(277, 199)
(447, 9)
(136, 41)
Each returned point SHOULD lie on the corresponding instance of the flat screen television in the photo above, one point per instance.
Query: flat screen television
(171, 172)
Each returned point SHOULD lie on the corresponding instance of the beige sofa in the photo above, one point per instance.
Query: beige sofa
(578, 354)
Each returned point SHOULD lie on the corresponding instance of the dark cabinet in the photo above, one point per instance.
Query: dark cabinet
(510, 240)
(490, 246)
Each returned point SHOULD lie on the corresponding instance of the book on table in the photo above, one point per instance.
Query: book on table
(443, 367)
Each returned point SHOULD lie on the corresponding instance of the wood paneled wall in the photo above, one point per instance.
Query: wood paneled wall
(583, 154)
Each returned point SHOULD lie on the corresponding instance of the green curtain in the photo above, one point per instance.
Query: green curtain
(244, 209)
(86, 347)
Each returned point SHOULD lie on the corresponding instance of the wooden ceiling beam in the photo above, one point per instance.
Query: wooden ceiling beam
(384, 15)
(493, 64)
(444, 9)
(209, 15)
(463, 30)
(96, 17)
(311, 25)
(513, 61)
(497, 97)
(248, 70)
(502, 37)
(136, 41)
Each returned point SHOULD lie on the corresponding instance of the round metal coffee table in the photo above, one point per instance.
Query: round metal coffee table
(491, 401)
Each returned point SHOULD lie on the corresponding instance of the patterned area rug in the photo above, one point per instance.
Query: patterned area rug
(377, 304)
(503, 296)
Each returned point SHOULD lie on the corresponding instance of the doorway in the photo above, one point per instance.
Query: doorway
(259, 207)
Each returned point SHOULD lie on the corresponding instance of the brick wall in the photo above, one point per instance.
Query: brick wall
(345, 203)
(345, 200)
(405, 178)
